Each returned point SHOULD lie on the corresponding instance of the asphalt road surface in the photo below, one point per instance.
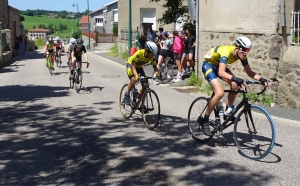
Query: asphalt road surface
(51, 135)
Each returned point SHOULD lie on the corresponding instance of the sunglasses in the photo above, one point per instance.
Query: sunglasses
(245, 50)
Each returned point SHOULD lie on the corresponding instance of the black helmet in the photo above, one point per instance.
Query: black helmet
(79, 41)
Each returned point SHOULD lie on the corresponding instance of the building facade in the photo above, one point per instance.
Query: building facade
(38, 33)
(104, 19)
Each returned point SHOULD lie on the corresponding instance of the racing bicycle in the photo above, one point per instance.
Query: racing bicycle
(77, 76)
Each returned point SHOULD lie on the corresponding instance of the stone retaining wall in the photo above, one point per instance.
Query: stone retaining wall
(265, 58)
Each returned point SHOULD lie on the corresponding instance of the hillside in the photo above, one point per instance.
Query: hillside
(31, 21)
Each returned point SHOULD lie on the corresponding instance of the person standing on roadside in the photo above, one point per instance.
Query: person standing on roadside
(191, 51)
(178, 48)
(185, 53)
(21, 46)
(16, 47)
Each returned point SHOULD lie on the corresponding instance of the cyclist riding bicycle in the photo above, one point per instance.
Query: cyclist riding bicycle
(135, 64)
(215, 65)
(58, 45)
(77, 52)
(71, 46)
(49, 49)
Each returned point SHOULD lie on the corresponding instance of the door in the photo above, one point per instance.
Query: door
(148, 15)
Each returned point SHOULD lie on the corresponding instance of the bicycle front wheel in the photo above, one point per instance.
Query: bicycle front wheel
(255, 133)
(150, 109)
(126, 110)
(78, 81)
(195, 117)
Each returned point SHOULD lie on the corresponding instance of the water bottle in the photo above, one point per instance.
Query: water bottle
(221, 108)
(229, 110)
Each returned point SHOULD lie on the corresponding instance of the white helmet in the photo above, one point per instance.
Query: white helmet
(72, 40)
(243, 42)
(57, 38)
(151, 46)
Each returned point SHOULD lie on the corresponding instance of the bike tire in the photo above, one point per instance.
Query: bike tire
(71, 81)
(167, 73)
(126, 110)
(256, 141)
(150, 109)
(78, 81)
(195, 115)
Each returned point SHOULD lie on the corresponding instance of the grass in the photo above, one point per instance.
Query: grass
(113, 51)
(30, 21)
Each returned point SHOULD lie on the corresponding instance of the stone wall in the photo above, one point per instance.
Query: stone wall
(265, 58)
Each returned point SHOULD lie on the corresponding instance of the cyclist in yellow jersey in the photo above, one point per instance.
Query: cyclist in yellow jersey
(215, 66)
(50, 49)
(135, 64)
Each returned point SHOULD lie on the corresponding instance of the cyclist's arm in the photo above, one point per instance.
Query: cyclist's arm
(46, 47)
(153, 63)
(250, 73)
(222, 71)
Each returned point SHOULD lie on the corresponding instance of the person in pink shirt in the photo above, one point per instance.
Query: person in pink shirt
(178, 48)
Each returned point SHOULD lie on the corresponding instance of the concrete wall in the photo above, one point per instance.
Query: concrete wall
(136, 7)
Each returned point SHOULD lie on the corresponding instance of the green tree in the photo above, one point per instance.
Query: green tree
(174, 10)
(33, 27)
(38, 12)
(63, 14)
(75, 35)
(29, 12)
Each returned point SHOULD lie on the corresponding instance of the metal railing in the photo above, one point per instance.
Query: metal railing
(295, 29)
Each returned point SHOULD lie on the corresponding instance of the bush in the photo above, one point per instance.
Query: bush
(115, 30)
(113, 51)
(6, 47)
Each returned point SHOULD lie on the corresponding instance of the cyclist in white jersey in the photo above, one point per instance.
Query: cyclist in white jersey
(71, 47)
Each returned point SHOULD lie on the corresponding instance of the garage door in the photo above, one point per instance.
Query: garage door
(149, 16)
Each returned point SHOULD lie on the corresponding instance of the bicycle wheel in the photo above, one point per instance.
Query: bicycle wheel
(71, 81)
(255, 133)
(126, 110)
(150, 109)
(195, 116)
(167, 73)
(78, 80)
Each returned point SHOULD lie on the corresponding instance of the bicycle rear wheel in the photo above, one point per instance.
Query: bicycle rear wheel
(255, 133)
(167, 73)
(126, 110)
(195, 116)
(150, 109)
(78, 80)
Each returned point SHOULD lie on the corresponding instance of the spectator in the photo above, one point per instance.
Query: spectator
(141, 40)
(160, 31)
(185, 52)
(26, 44)
(178, 48)
(151, 35)
(165, 45)
(17, 47)
(21, 46)
(191, 51)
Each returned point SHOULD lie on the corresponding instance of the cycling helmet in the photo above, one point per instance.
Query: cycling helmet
(151, 46)
(50, 39)
(72, 40)
(79, 41)
(243, 42)
(57, 38)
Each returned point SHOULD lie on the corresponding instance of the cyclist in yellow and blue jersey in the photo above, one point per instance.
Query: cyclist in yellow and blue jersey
(50, 49)
(135, 64)
(215, 65)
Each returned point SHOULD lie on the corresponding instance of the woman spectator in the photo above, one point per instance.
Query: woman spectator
(191, 51)
(21, 46)
(165, 45)
(17, 47)
(178, 48)
(185, 52)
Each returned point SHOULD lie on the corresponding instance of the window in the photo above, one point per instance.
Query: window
(98, 20)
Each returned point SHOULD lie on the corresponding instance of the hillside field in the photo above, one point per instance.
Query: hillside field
(30, 21)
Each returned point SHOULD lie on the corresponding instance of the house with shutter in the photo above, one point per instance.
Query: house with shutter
(104, 19)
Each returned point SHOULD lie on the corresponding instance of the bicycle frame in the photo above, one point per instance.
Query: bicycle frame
(145, 90)
(244, 103)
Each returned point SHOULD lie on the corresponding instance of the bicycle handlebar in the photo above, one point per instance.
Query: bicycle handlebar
(255, 82)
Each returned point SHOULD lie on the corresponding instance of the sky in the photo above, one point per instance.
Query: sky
(58, 4)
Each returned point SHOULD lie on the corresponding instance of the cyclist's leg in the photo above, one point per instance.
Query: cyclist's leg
(233, 86)
(210, 71)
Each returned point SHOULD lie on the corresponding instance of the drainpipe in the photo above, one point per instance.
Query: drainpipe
(129, 29)
(282, 23)
(197, 38)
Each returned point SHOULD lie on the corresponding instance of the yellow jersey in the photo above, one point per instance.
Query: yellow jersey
(140, 60)
(222, 54)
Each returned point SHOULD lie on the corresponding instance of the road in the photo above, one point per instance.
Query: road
(50, 135)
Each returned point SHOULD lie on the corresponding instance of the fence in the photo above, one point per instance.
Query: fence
(102, 37)
(295, 30)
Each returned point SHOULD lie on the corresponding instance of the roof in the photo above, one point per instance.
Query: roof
(84, 19)
(110, 3)
(38, 30)
(103, 7)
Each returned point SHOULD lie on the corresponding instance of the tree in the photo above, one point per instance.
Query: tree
(29, 12)
(174, 10)
(33, 27)
(38, 12)
(86, 12)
